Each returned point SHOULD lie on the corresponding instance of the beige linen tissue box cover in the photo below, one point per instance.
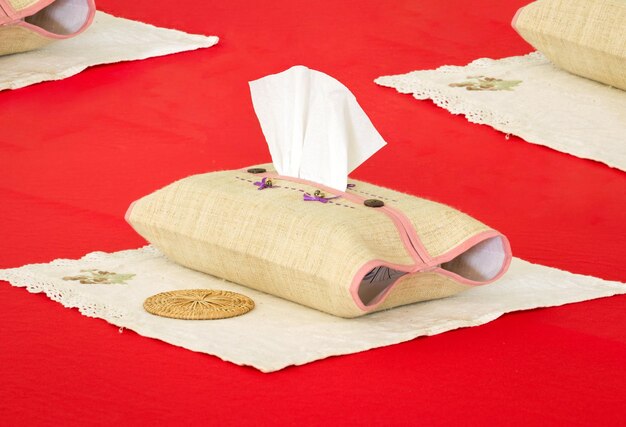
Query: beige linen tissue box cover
(341, 257)
(31, 24)
(584, 37)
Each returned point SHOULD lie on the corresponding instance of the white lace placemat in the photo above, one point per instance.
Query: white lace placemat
(108, 40)
(278, 333)
(529, 97)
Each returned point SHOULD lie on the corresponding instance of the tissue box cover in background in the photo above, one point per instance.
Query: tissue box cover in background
(30, 24)
(341, 257)
(584, 37)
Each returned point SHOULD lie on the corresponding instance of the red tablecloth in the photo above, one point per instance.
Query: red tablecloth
(75, 153)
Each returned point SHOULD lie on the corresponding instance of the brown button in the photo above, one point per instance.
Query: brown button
(257, 170)
(374, 203)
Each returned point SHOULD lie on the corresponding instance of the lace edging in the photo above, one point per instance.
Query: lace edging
(67, 297)
(474, 113)
(531, 57)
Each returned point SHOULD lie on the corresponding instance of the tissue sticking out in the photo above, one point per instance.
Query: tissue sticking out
(313, 125)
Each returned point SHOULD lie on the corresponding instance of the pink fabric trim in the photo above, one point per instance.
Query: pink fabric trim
(469, 243)
(8, 9)
(415, 241)
(366, 268)
(48, 34)
(405, 234)
(13, 14)
(403, 231)
(4, 13)
(423, 261)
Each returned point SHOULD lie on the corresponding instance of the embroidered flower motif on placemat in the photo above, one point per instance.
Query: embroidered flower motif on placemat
(99, 277)
(486, 83)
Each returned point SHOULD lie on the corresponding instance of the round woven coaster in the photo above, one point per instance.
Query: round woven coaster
(198, 304)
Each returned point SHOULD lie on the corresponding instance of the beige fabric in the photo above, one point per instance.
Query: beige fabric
(278, 333)
(439, 227)
(307, 252)
(109, 40)
(535, 100)
(22, 4)
(421, 287)
(16, 39)
(35, 28)
(584, 37)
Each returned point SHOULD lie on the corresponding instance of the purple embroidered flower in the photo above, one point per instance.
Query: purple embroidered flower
(264, 183)
(318, 196)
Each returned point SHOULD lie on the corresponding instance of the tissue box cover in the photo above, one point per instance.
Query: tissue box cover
(30, 24)
(584, 37)
(342, 257)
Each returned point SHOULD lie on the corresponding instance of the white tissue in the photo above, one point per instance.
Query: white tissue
(313, 125)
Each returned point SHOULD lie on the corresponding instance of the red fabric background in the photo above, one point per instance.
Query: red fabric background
(75, 153)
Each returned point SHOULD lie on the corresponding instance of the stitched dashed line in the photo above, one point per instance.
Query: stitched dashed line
(296, 189)
(374, 195)
(243, 179)
(341, 204)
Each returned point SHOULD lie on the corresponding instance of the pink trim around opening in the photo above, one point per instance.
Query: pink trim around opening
(368, 266)
(423, 261)
(469, 243)
(5, 17)
(404, 227)
(411, 234)
(19, 14)
(48, 34)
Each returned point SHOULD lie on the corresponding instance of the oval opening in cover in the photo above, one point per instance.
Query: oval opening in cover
(63, 17)
(377, 281)
(479, 264)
